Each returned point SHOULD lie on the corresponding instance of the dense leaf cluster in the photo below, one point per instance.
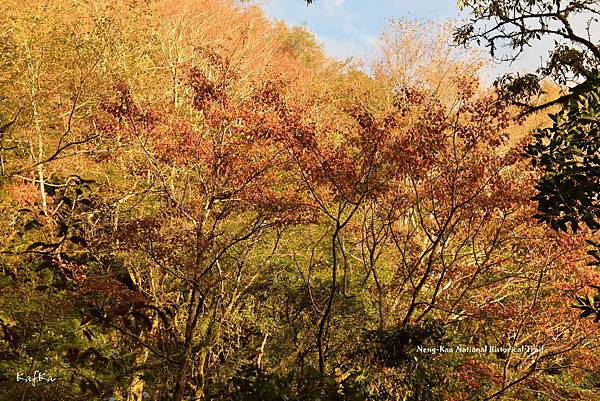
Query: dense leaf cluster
(568, 153)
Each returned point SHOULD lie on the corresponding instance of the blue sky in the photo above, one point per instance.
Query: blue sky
(350, 27)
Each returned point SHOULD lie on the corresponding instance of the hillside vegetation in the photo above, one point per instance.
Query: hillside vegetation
(197, 204)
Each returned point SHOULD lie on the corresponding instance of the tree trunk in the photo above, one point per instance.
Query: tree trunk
(184, 364)
(136, 388)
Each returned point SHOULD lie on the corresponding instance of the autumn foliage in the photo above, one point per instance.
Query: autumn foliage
(198, 204)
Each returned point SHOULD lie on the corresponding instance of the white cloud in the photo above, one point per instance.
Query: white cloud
(333, 6)
(342, 48)
(360, 47)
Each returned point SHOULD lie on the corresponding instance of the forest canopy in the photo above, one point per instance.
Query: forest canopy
(198, 204)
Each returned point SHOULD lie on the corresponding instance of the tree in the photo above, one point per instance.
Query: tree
(568, 153)
(568, 190)
(518, 24)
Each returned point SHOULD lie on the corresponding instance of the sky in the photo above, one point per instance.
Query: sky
(350, 28)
